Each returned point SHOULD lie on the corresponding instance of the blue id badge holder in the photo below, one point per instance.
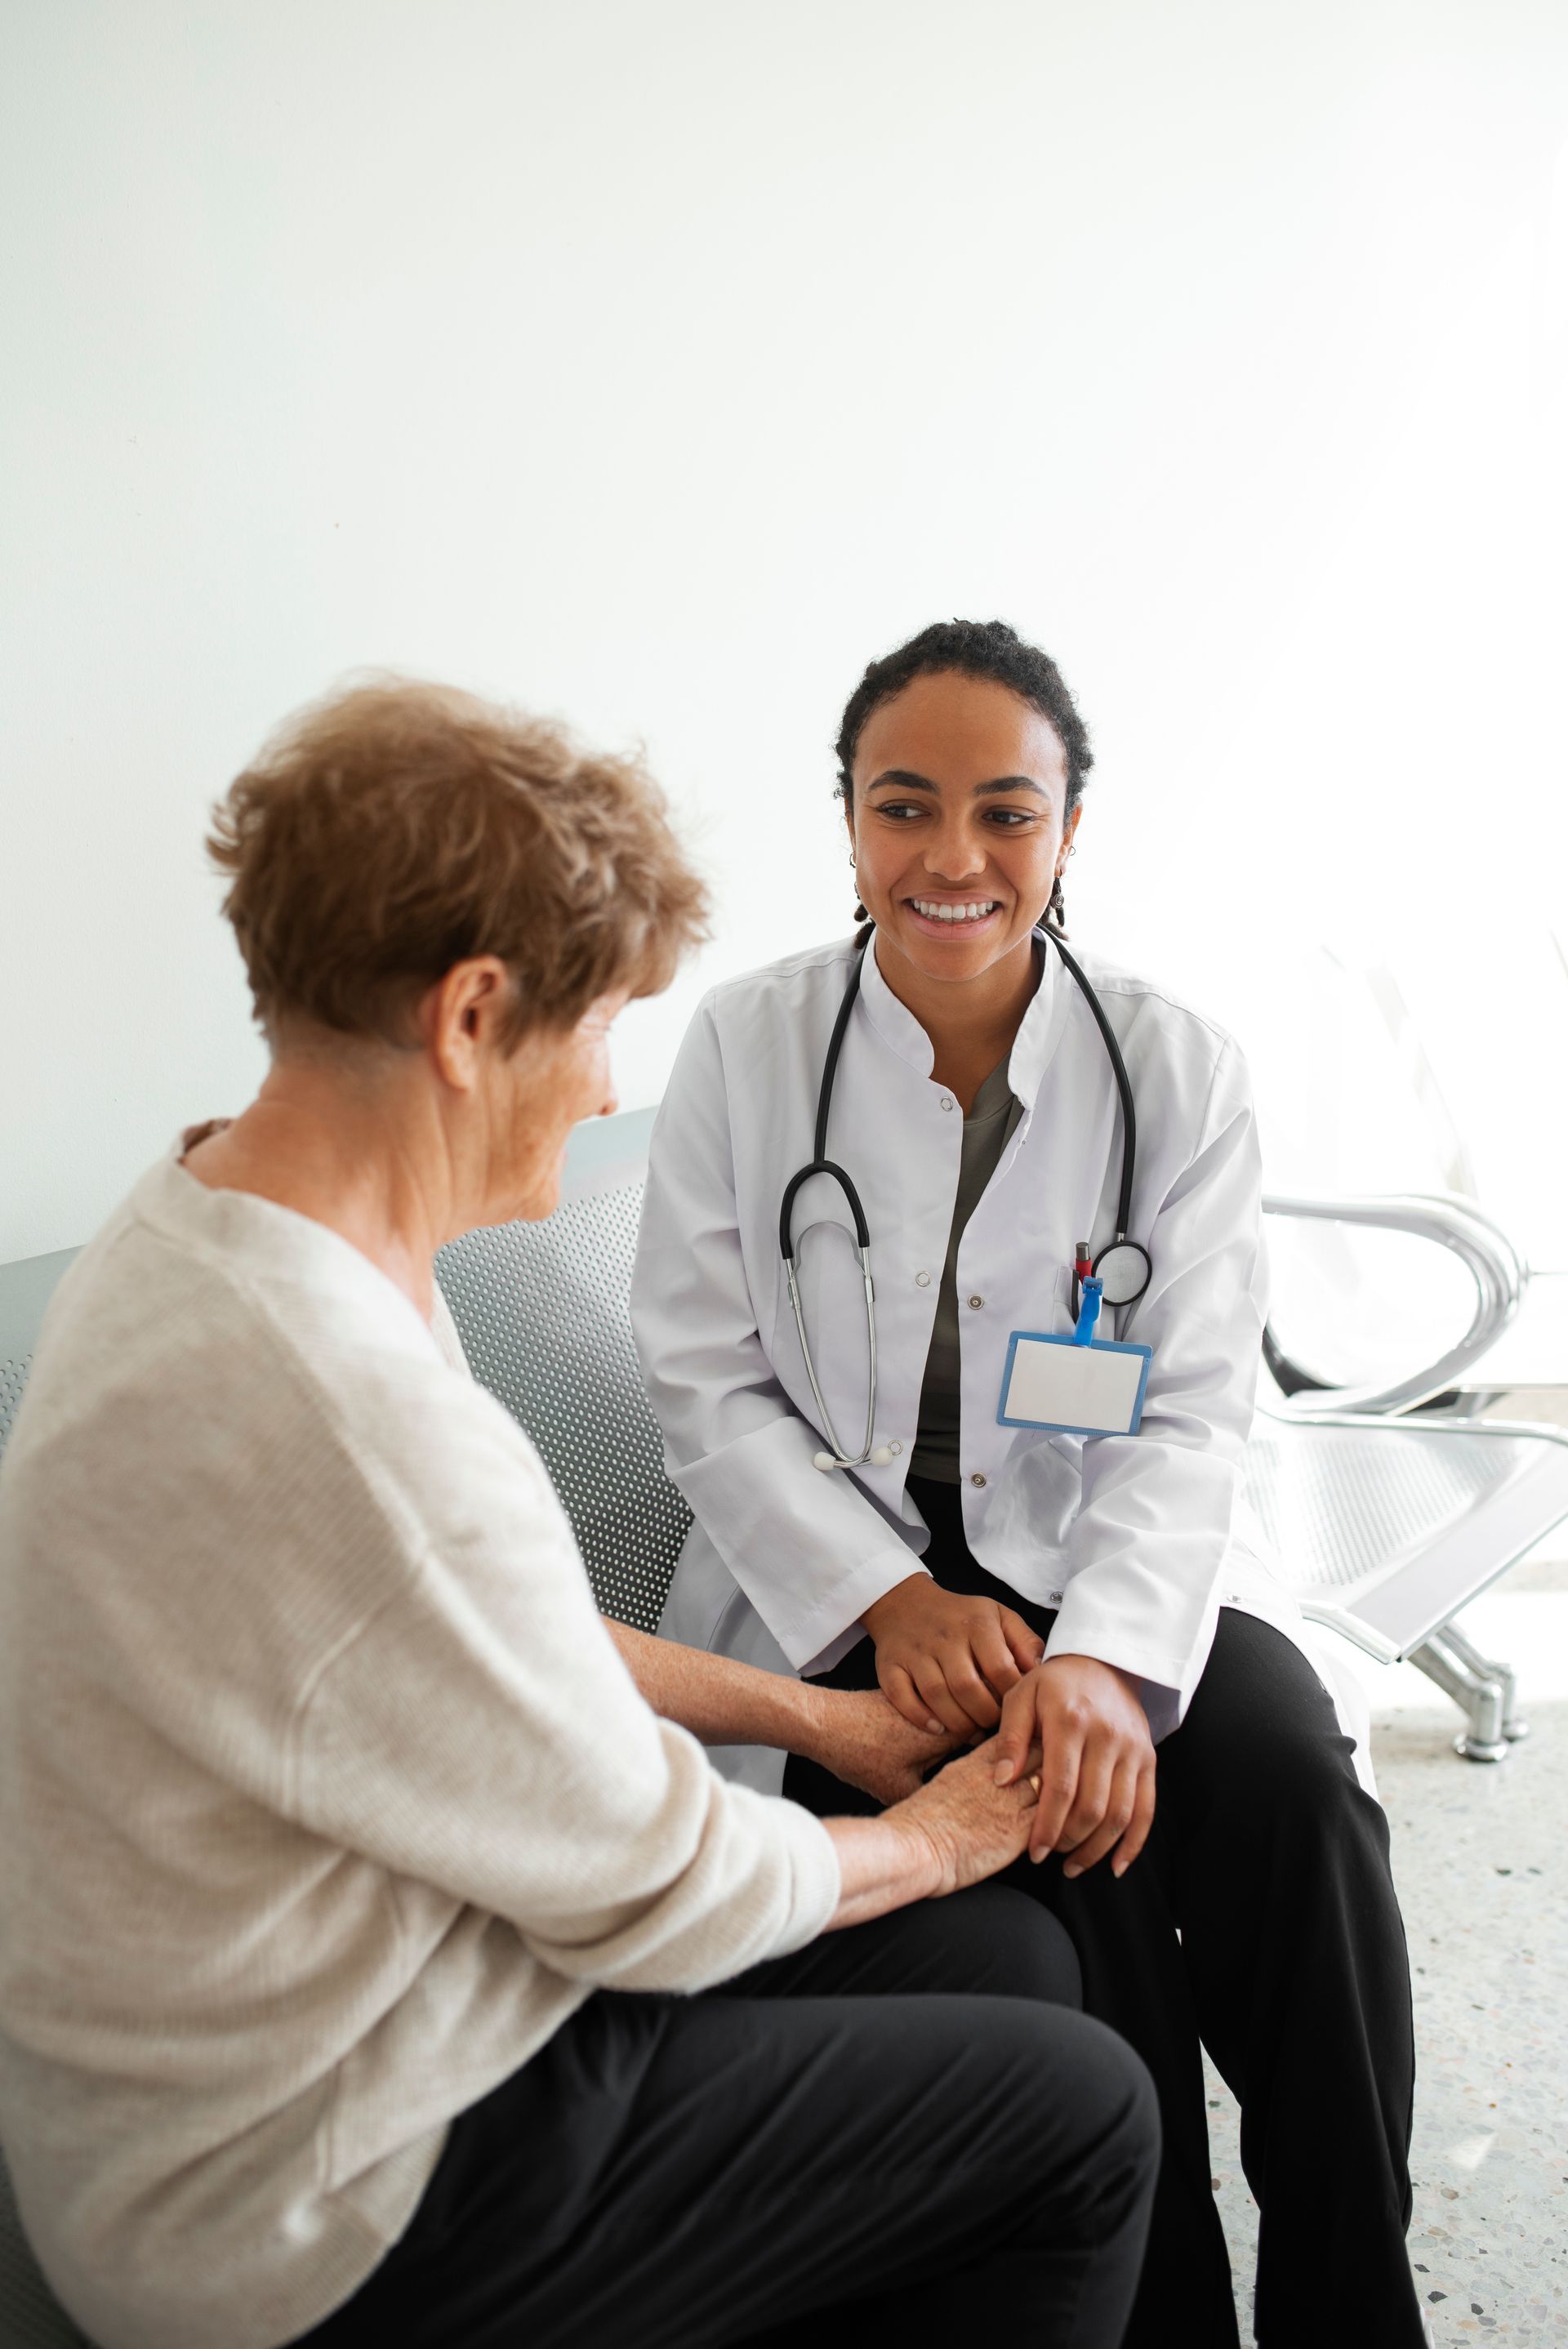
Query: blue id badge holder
(1075, 1385)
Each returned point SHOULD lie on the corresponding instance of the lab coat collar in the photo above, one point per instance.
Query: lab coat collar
(1034, 1047)
(1041, 1028)
(894, 1022)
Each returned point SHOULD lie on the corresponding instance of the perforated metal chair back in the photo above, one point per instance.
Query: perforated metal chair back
(30, 2315)
(542, 1313)
(26, 1289)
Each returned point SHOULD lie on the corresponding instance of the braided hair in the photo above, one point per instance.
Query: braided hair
(981, 648)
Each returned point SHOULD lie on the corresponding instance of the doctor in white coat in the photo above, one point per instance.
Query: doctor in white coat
(1104, 1600)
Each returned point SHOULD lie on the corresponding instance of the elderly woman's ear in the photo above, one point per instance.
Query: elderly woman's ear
(470, 1012)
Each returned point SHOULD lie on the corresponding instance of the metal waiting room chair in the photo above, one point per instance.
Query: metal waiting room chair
(1389, 1508)
(1392, 1505)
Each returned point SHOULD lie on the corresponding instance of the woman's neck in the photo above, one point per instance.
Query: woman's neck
(312, 1143)
(971, 1022)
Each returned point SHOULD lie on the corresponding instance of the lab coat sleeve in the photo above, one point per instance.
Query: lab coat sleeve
(1148, 1545)
(808, 1550)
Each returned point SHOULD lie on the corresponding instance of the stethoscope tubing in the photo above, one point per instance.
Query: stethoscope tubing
(821, 1164)
(1123, 1085)
(841, 1459)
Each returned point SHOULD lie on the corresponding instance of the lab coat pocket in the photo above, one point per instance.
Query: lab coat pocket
(1042, 1305)
(1043, 1492)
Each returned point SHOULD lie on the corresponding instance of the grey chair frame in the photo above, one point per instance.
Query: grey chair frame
(1410, 1615)
(1499, 1273)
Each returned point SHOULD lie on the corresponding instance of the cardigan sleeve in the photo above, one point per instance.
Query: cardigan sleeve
(480, 1733)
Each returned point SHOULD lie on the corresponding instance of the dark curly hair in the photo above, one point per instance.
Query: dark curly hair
(983, 648)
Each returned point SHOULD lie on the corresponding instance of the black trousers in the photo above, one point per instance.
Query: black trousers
(900, 2132)
(1260, 1919)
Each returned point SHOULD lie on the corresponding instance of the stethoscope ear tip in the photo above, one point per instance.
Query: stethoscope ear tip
(823, 1460)
(882, 1457)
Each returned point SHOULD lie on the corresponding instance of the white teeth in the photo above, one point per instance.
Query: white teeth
(935, 910)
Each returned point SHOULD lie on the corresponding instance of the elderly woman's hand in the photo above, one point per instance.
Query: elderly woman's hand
(864, 1740)
(972, 1825)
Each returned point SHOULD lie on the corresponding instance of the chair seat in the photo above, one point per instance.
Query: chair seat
(1384, 1530)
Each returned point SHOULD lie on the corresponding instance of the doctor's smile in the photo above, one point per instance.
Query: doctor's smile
(947, 913)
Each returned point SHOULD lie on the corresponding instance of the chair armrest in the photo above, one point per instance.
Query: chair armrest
(1494, 1263)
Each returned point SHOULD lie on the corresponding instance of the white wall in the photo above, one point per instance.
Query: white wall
(661, 364)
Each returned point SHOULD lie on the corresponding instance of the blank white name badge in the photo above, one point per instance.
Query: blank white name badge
(1072, 1387)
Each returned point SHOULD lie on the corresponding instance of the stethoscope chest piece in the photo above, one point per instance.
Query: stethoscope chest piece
(1124, 1270)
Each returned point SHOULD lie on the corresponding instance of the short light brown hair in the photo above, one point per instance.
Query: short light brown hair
(397, 828)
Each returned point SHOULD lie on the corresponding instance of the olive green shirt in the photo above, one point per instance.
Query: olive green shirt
(987, 1130)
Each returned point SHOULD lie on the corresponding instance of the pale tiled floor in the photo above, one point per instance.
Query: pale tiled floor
(1478, 1853)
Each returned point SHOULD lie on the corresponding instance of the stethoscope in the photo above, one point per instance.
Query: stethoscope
(1123, 1267)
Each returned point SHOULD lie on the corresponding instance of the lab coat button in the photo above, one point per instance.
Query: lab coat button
(976, 1302)
(947, 1101)
(923, 1281)
(1053, 1597)
(977, 1479)
(895, 1449)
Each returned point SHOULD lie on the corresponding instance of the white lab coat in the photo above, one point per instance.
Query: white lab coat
(1135, 1540)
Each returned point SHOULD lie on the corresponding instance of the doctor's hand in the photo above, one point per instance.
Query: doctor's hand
(944, 1660)
(1082, 1724)
(859, 1736)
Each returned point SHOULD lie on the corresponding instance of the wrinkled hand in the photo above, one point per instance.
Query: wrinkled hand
(944, 1660)
(861, 1738)
(1081, 1724)
(970, 1824)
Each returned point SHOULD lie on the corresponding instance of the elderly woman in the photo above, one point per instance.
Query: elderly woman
(358, 1877)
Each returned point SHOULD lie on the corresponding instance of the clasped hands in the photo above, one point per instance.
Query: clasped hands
(956, 1669)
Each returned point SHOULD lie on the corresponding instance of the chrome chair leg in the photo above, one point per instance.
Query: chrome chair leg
(1479, 1696)
(1513, 1727)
